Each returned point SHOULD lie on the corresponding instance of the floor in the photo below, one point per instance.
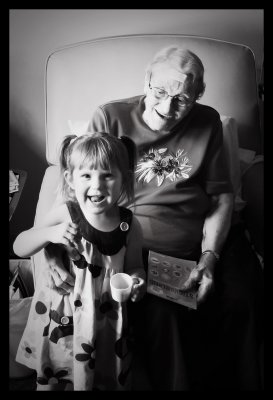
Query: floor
(140, 380)
(18, 384)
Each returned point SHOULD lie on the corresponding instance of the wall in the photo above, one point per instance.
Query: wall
(34, 34)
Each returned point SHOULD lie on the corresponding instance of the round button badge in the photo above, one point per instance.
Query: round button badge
(64, 320)
(124, 226)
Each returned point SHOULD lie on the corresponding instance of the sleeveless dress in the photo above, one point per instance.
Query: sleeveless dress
(82, 338)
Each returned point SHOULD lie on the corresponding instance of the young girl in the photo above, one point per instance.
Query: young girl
(79, 340)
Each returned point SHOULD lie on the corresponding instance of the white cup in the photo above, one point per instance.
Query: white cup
(121, 286)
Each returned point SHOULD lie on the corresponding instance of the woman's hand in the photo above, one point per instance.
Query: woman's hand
(138, 289)
(201, 277)
(61, 280)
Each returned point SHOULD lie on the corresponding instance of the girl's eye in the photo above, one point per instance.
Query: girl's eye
(85, 176)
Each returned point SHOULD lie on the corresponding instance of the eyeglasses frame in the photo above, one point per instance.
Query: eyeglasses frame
(176, 97)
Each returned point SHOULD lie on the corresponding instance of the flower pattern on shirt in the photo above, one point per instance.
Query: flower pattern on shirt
(87, 355)
(54, 377)
(162, 165)
(106, 307)
(29, 350)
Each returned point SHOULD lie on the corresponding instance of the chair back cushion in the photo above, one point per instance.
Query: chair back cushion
(82, 76)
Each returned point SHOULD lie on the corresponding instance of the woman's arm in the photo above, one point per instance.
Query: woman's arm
(56, 227)
(217, 222)
(215, 231)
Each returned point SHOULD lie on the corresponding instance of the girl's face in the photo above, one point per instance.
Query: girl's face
(96, 190)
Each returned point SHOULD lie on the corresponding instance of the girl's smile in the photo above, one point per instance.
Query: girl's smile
(97, 199)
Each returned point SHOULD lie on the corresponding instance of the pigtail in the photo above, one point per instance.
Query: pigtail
(64, 151)
(64, 164)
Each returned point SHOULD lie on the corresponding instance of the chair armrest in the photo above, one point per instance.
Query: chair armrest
(253, 194)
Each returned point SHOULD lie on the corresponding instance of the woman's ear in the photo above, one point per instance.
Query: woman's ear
(145, 88)
(69, 179)
(146, 82)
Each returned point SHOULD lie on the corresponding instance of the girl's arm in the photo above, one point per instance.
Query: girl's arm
(56, 227)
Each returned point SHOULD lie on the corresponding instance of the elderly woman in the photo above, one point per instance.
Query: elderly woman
(184, 206)
(184, 203)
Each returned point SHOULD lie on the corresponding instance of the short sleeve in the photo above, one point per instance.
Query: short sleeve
(98, 122)
(216, 175)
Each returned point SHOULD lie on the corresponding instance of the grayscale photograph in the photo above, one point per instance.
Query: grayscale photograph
(136, 200)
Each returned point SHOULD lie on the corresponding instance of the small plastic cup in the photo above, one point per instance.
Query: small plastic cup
(121, 286)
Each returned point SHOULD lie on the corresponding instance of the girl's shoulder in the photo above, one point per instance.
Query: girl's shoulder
(126, 217)
(132, 224)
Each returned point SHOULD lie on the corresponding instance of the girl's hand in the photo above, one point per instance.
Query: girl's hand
(138, 289)
(65, 233)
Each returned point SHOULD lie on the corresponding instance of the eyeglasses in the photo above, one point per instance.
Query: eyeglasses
(163, 95)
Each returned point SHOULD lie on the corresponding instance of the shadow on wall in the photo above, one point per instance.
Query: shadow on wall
(23, 156)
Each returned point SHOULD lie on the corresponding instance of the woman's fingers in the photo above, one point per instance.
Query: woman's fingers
(205, 288)
(60, 275)
(194, 278)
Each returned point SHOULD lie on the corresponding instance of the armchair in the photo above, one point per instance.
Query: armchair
(72, 94)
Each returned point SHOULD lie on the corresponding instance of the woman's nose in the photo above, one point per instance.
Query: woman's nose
(166, 106)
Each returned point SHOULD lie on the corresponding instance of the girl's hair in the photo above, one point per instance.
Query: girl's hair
(99, 150)
(184, 61)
